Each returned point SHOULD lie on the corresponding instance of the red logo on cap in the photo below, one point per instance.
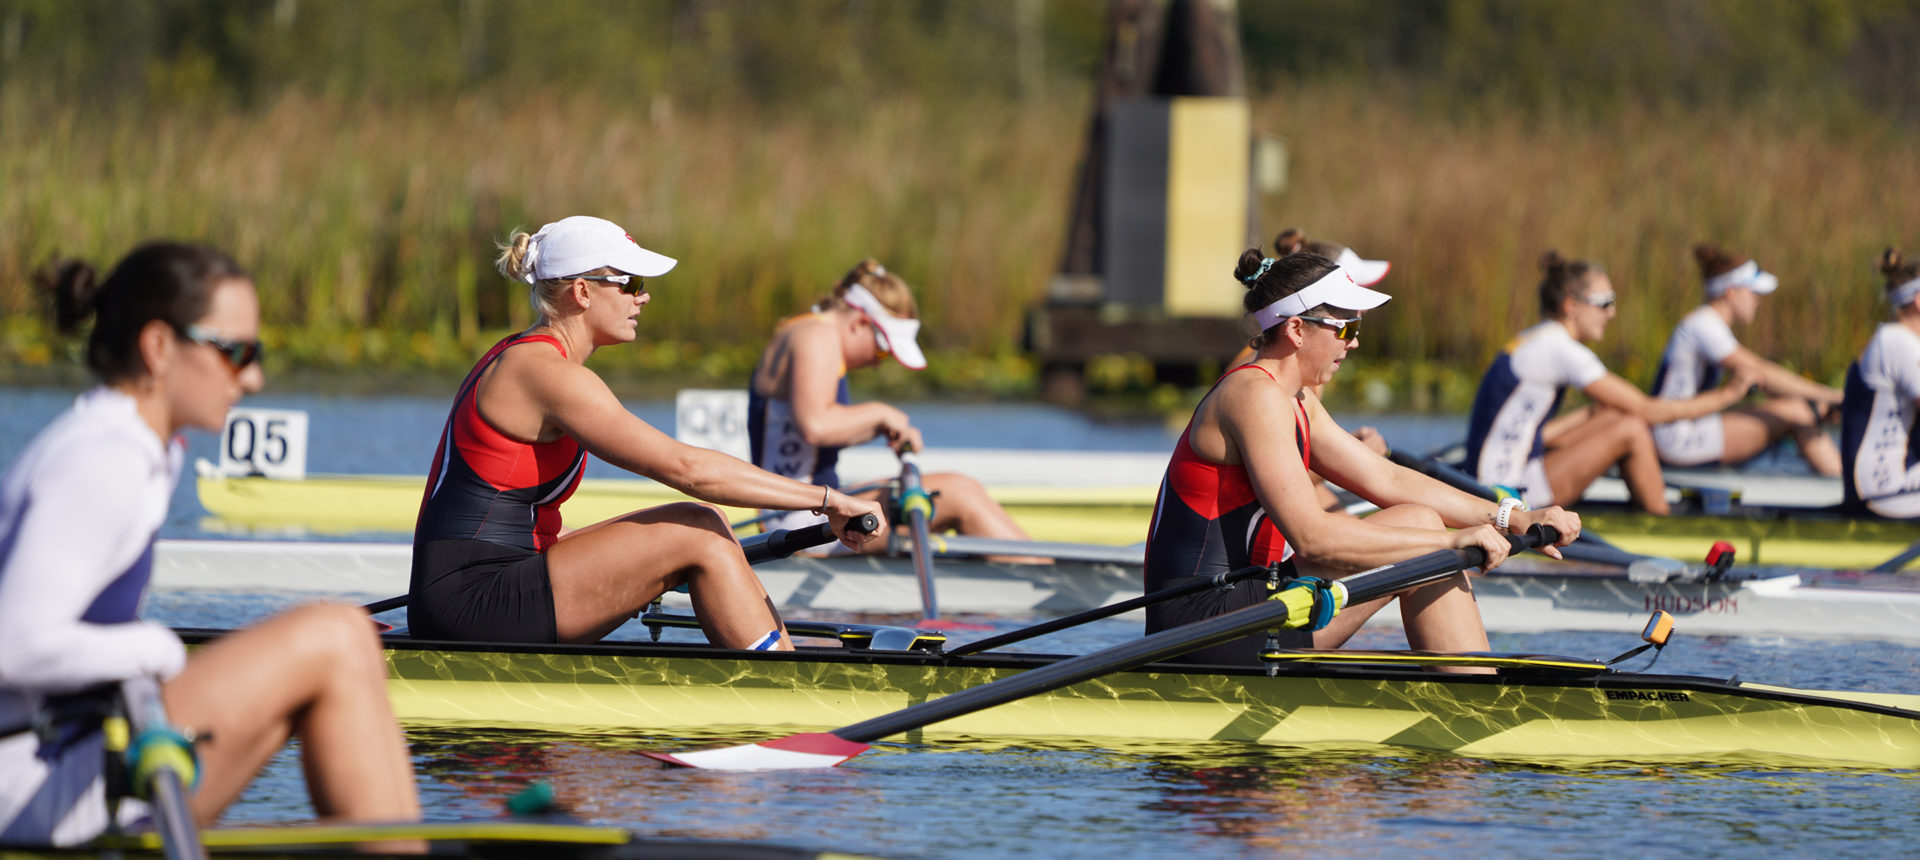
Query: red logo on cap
(629, 237)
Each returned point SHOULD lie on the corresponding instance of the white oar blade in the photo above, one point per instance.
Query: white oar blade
(793, 752)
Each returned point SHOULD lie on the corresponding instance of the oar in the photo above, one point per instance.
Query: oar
(1588, 547)
(916, 508)
(1893, 565)
(161, 765)
(1289, 608)
(778, 543)
(1198, 584)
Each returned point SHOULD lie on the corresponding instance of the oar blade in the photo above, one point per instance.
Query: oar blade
(793, 752)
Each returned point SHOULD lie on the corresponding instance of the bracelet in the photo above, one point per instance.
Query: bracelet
(1507, 506)
(825, 491)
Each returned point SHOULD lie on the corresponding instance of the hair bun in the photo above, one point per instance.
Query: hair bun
(1247, 271)
(74, 285)
(1290, 241)
(1890, 261)
(1552, 260)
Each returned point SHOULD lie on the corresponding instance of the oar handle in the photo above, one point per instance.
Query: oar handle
(165, 765)
(781, 543)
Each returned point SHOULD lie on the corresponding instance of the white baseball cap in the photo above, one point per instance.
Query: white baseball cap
(897, 334)
(1336, 288)
(1366, 273)
(583, 243)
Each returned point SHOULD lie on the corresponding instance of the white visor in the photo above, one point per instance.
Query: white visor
(1336, 288)
(1747, 275)
(1904, 294)
(897, 334)
(1366, 273)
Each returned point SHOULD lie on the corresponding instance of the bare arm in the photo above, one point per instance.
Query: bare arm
(575, 400)
(1256, 423)
(1385, 483)
(813, 386)
(1779, 381)
(1612, 390)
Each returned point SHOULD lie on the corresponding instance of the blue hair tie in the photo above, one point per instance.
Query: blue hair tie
(1264, 266)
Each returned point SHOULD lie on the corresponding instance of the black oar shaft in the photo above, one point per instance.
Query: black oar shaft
(1196, 585)
(1361, 587)
(1588, 547)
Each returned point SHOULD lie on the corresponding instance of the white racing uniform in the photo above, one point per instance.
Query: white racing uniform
(1879, 451)
(1691, 365)
(78, 513)
(1523, 388)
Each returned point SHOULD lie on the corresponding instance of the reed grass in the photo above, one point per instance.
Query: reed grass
(370, 226)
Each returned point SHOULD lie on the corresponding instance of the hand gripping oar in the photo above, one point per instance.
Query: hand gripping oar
(160, 766)
(1293, 608)
(916, 508)
(778, 543)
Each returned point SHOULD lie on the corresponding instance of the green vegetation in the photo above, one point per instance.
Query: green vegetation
(363, 157)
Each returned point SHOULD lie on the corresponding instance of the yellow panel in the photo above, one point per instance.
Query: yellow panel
(1206, 205)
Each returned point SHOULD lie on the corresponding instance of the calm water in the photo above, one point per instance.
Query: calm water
(1200, 800)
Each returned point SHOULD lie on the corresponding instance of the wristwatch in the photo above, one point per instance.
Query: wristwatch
(1507, 507)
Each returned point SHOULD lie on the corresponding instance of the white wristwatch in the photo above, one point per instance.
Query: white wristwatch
(1507, 506)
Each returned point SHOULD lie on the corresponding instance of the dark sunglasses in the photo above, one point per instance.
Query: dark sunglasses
(1599, 300)
(238, 353)
(1342, 329)
(632, 285)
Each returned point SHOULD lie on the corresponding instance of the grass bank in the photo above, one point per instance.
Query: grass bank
(370, 225)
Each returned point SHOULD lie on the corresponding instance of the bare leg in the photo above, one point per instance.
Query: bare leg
(315, 672)
(1441, 616)
(1583, 452)
(608, 572)
(963, 505)
(1752, 430)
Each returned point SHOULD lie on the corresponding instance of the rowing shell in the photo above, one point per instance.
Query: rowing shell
(1536, 709)
(1526, 595)
(1110, 515)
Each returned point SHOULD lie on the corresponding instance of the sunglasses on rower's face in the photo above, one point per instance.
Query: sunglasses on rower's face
(1599, 300)
(1342, 329)
(632, 285)
(238, 353)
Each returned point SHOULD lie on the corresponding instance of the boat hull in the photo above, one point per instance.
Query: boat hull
(1112, 515)
(1521, 714)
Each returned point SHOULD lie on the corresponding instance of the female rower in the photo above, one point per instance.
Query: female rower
(174, 346)
(1512, 444)
(799, 413)
(1878, 446)
(489, 560)
(1703, 344)
(1366, 273)
(1237, 491)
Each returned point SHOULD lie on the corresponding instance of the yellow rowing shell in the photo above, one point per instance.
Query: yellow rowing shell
(1114, 516)
(1538, 709)
(347, 504)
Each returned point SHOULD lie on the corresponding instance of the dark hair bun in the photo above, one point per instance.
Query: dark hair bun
(1552, 260)
(1248, 267)
(74, 285)
(1890, 262)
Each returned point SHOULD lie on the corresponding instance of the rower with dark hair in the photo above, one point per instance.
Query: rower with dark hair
(175, 344)
(1517, 445)
(1237, 490)
(1703, 345)
(1879, 449)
